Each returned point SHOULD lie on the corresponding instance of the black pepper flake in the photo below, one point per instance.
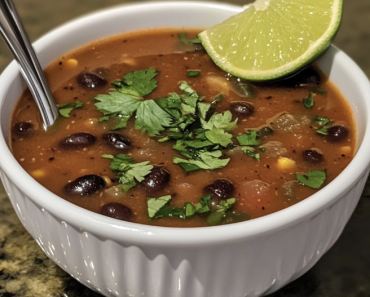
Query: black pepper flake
(263, 208)
(268, 166)
(71, 88)
(343, 155)
(268, 97)
(51, 159)
(60, 63)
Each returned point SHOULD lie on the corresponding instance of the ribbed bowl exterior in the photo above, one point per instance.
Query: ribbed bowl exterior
(117, 258)
(245, 267)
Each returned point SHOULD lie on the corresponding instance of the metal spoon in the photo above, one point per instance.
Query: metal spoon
(18, 42)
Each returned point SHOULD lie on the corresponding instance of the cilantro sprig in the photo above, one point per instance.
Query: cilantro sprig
(128, 171)
(127, 99)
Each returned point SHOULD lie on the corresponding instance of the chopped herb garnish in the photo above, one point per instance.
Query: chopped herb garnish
(313, 179)
(217, 216)
(156, 204)
(185, 40)
(323, 123)
(322, 131)
(309, 102)
(158, 208)
(201, 159)
(220, 121)
(66, 108)
(250, 152)
(319, 91)
(193, 73)
(128, 172)
(248, 139)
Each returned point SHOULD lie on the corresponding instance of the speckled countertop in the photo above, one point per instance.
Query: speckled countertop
(344, 271)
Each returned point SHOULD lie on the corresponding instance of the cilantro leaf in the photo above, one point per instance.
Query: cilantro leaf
(220, 121)
(128, 172)
(66, 108)
(157, 208)
(217, 216)
(193, 73)
(202, 160)
(322, 121)
(219, 136)
(185, 40)
(249, 151)
(156, 204)
(151, 118)
(203, 109)
(202, 206)
(248, 139)
(139, 83)
(319, 91)
(313, 179)
(117, 103)
(309, 101)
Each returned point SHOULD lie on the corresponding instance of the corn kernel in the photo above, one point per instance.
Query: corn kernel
(286, 163)
(72, 63)
(38, 173)
(346, 149)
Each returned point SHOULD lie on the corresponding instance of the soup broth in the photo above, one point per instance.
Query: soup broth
(226, 150)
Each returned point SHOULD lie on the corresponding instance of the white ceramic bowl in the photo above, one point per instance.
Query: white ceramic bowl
(119, 258)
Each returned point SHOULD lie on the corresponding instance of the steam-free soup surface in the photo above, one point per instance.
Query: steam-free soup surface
(301, 126)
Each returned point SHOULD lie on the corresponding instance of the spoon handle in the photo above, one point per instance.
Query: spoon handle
(18, 42)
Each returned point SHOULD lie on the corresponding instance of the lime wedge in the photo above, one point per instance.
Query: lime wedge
(273, 38)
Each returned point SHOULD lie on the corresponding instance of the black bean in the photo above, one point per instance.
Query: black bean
(23, 128)
(241, 109)
(117, 140)
(78, 140)
(337, 133)
(306, 77)
(90, 80)
(222, 188)
(156, 180)
(312, 156)
(85, 185)
(117, 211)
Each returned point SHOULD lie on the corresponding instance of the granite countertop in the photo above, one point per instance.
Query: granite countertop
(344, 271)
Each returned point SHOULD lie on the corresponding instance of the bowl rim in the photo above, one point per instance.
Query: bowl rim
(87, 221)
